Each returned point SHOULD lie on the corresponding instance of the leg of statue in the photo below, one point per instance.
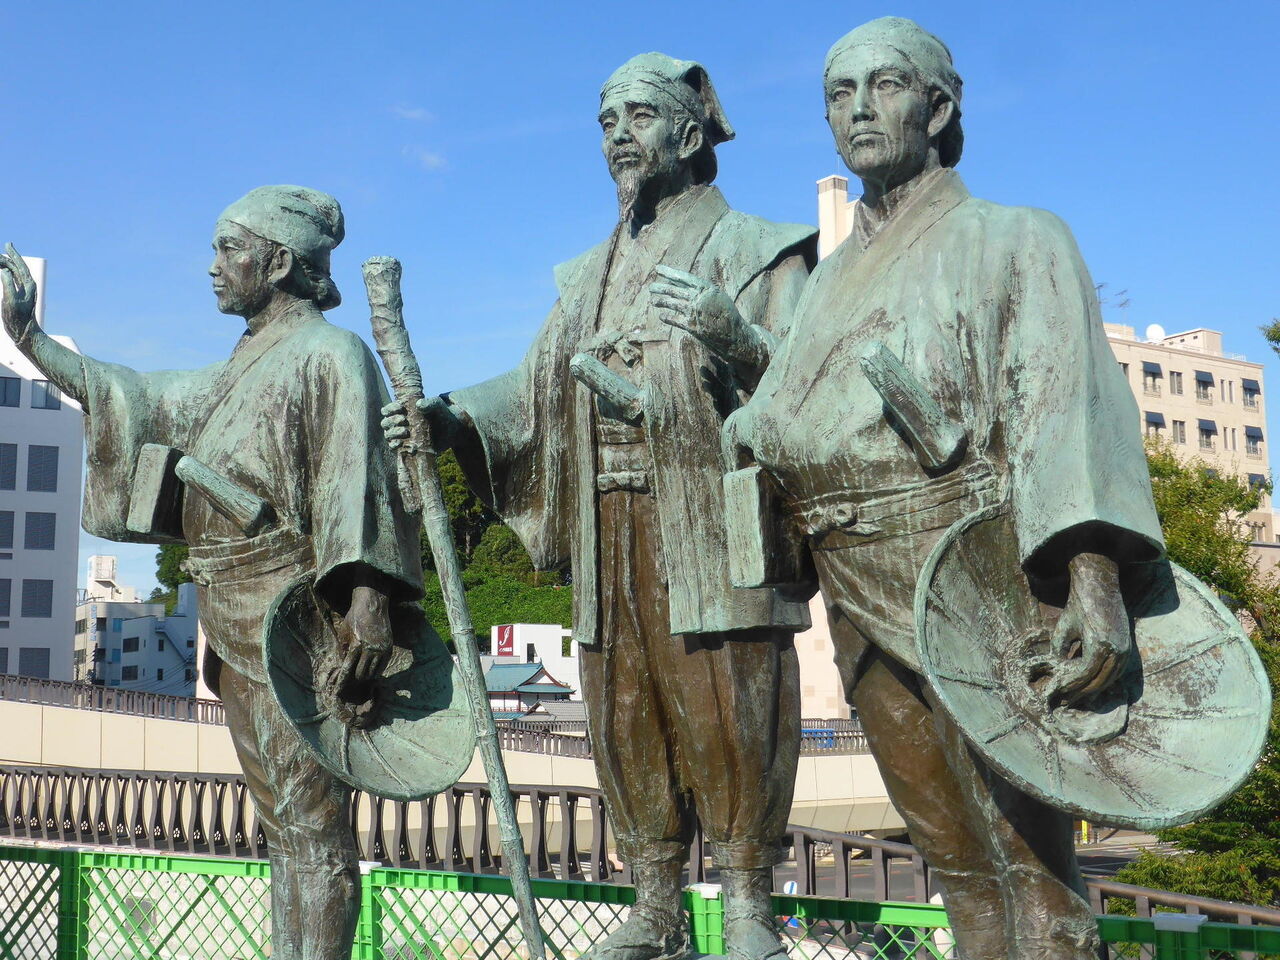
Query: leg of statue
(631, 734)
(1034, 851)
(734, 700)
(315, 886)
(900, 730)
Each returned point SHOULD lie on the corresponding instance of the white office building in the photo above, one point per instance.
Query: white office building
(120, 642)
(41, 439)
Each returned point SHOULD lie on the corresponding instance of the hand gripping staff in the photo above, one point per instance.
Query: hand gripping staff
(382, 281)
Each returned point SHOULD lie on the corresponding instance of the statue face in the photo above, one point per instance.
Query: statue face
(642, 139)
(879, 112)
(241, 270)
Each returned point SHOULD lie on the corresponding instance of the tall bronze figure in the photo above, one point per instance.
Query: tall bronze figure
(601, 450)
(946, 383)
(287, 484)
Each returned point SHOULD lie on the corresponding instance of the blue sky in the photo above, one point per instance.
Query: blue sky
(461, 138)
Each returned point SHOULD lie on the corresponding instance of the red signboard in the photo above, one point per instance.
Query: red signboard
(506, 640)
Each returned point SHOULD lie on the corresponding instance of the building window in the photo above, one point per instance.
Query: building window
(117, 624)
(159, 673)
(4, 660)
(34, 662)
(42, 469)
(129, 673)
(8, 466)
(82, 626)
(1253, 441)
(1249, 390)
(189, 674)
(1124, 368)
(160, 642)
(1179, 431)
(1151, 384)
(6, 529)
(129, 645)
(40, 531)
(37, 598)
(100, 625)
(10, 391)
(1204, 386)
(190, 644)
(1175, 382)
(1206, 439)
(6, 591)
(45, 396)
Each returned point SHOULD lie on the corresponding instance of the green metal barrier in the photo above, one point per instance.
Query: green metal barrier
(66, 904)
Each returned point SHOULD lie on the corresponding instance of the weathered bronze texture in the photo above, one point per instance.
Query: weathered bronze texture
(287, 481)
(947, 364)
(601, 450)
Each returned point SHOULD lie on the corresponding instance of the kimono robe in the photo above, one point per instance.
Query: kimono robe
(532, 455)
(992, 309)
(292, 417)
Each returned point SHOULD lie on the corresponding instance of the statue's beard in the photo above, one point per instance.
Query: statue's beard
(632, 178)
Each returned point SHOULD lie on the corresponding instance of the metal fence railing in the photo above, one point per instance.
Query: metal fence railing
(566, 833)
(88, 696)
(64, 904)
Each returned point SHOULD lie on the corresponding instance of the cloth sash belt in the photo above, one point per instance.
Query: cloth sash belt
(249, 557)
(842, 517)
(624, 458)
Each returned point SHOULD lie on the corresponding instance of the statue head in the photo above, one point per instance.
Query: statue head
(276, 238)
(893, 101)
(661, 120)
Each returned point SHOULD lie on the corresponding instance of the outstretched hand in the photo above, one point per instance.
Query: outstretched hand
(18, 293)
(705, 311)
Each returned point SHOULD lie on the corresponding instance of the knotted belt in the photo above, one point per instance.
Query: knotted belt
(843, 517)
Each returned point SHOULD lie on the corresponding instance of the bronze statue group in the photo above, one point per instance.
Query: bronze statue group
(948, 358)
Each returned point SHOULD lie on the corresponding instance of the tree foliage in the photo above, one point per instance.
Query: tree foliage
(1233, 852)
(170, 575)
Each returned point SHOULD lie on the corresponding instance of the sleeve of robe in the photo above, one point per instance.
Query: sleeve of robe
(123, 410)
(357, 518)
(1078, 471)
(515, 450)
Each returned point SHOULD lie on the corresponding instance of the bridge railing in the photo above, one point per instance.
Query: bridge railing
(566, 832)
(88, 696)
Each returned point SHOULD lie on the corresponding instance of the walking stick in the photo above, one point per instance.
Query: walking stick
(382, 281)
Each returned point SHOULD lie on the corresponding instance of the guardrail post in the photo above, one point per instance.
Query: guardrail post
(73, 907)
(369, 938)
(1178, 936)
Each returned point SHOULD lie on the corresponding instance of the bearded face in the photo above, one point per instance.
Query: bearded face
(642, 141)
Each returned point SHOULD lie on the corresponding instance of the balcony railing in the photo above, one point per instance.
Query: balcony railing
(566, 832)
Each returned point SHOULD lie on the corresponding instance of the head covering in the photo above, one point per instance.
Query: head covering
(687, 83)
(929, 56)
(309, 223)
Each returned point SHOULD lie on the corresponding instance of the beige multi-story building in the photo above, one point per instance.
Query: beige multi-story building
(1208, 403)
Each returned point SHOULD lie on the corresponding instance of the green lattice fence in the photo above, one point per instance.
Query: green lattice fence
(58, 904)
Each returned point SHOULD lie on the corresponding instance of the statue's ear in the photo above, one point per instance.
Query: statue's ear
(943, 109)
(691, 139)
(281, 264)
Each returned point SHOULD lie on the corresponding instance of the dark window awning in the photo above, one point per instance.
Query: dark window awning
(1149, 366)
(1257, 480)
(1156, 418)
(1255, 432)
(1208, 426)
(1204, 376)
(1250, 385)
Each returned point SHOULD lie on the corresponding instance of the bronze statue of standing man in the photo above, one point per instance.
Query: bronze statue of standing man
(991, 311)
(289, 422)
(691, 686)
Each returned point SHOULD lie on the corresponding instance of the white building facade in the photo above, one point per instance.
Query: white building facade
(41, 442)
(120, 642)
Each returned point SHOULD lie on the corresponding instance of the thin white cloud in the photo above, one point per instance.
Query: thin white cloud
(428, 160)
(407, 112)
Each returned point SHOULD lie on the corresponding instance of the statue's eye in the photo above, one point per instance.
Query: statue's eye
(888, 83)
(843, 93)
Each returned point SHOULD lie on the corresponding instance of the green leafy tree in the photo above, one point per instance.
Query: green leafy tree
(170, 575)
(1233, 852)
